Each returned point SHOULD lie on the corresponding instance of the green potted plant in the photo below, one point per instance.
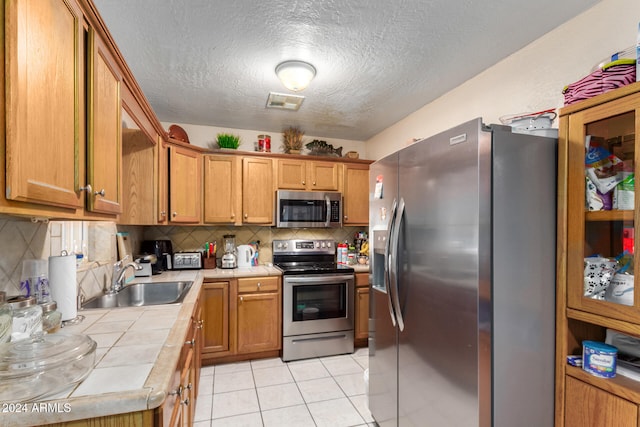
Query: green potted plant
(227, 140)
(292, 140)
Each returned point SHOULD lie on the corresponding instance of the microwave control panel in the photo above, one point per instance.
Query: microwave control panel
(335, 211)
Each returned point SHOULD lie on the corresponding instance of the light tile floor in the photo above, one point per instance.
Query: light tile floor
(327, 391)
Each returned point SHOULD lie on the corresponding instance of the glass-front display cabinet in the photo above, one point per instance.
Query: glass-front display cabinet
(601, 202)
(597, 260)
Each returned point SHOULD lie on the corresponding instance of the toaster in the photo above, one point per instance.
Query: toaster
(187, 260)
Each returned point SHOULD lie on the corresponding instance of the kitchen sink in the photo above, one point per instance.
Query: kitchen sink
(142, 294)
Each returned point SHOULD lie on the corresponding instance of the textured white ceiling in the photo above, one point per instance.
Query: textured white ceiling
(211, 62)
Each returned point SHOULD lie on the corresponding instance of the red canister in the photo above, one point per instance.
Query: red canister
(264, 143)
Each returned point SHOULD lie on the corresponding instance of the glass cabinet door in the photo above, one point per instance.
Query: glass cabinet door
(602, 165)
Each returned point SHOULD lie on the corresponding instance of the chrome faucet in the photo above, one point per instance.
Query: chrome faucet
(119, 269)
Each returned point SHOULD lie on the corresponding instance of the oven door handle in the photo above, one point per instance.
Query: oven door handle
(321, 278)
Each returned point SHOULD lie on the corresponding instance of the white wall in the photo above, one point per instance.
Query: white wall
(205, 136)
(530, 80)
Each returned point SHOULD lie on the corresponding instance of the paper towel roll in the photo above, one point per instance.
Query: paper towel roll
(62, 281)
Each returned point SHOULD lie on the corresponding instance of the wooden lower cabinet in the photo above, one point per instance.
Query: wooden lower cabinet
(180, 406)
(589, 406)
(259, 329)
(217, 334)
(361, 325)
(242, 319)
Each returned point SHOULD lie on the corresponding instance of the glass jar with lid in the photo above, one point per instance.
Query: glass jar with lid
(51, 317)
(6, 318)
(27, 317)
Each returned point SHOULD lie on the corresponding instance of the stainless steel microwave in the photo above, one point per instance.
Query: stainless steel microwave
(308, 209)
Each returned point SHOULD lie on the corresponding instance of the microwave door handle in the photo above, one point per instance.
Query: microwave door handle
(395, 265)
(388, 257)
(328, 202)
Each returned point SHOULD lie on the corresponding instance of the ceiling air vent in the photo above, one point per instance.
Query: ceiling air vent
(284, 101)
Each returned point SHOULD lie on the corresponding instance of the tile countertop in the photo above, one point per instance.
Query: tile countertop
(137, 351)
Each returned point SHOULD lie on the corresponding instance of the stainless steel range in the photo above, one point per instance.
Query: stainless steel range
(317, 301)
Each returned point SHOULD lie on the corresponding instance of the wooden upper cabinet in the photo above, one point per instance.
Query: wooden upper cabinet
(162, 160)
(297, 174)
(292, 174)
(139, 168)
(44, 83)
(222, 187)
(356, 194)
(258, 190)
(323, 176)
(104, 132)
(185, 184)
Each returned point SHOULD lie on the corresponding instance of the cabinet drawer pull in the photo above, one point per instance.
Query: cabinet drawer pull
(100, 193)
(259, 284)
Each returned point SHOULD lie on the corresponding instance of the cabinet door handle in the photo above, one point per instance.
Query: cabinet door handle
(241, 299)
(185, 402)
(175, 214)
(314, 183)
(304, 183)
(188, 386)
(246, 215)
(233, 216)
(176, 392)
(259, 284)
(100, 193)
(163, 213)
(191, 342)
(86, 188)
(346, 217)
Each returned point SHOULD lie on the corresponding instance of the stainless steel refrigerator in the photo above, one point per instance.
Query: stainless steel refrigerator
(463, 229)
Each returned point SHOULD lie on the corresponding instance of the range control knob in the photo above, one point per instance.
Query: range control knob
(328, 244)
(323, 244)
(284, 245)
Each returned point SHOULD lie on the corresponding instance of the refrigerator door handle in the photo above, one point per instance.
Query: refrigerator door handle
(395, 264)
(388, 261)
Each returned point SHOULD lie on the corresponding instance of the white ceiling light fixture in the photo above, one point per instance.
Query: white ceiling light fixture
(295, 75)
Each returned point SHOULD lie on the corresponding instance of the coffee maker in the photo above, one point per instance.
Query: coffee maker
(162, 250)
(230, 257)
